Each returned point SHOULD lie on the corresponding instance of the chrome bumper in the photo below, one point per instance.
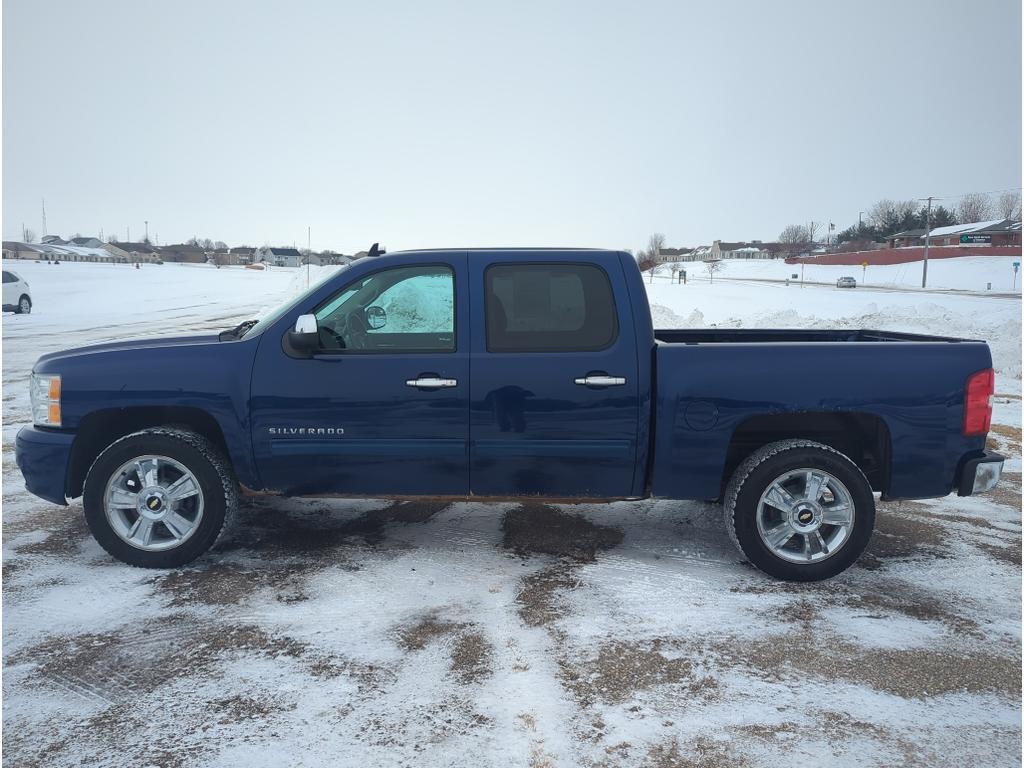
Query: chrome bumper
(980, 475)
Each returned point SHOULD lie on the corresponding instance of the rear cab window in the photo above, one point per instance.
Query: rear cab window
(549, 307)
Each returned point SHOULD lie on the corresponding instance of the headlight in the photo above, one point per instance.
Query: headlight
(45, 395)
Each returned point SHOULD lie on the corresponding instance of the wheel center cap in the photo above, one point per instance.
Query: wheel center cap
(152, 503)
(806, 517)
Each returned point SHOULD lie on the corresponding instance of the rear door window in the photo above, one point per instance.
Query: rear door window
(549, 308)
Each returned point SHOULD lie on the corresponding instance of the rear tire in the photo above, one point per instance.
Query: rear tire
(159, 498)
(799, 510)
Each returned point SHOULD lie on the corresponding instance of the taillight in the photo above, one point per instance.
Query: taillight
(978, 403)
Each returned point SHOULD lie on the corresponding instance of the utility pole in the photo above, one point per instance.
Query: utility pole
(147, 230)
(128, 234)
(927, 240)
(309, 249)
(44, 217)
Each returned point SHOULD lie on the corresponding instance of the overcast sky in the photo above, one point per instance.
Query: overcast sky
(467, 123)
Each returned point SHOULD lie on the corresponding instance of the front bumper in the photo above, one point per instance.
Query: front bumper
(980, 474)
(43, 457)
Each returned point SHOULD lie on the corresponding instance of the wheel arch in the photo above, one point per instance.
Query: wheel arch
(861, 436)
(101, 428)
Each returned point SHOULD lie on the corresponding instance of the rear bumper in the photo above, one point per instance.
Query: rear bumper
(979, 474)
(43, 457)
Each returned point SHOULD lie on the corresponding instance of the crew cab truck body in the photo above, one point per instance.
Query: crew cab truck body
(508, 373)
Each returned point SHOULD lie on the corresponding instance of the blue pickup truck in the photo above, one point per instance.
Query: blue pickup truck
(508, 373)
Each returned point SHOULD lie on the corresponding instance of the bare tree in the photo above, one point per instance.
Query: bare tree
(220, 245)
(712, 267)
(192, 241)
(655, 244)
(30, 236)
(207, 243)
(794, 234)
(795, 238)
(974, 208)
(1009, 205)
(812, 229)
(655, 269)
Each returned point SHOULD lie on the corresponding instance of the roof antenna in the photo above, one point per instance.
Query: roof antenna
(376, 250)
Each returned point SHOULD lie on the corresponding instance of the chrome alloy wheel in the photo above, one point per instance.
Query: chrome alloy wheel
(805, 515)
(153, 503)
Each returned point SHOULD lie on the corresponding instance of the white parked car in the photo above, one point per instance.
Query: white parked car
(16, 294)
(846, 282)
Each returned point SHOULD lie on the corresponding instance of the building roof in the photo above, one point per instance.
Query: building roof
(82, 240)
(135, 247)
(978, 226)
(243, 250)
(674, 251)
(909, 233)
(284, 251)
(182, 248)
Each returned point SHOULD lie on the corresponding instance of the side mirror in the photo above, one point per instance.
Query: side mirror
(376, 317)
(306, 336)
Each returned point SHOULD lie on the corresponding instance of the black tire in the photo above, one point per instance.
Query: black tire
(203, 460)
(757, 473)
(24, 305)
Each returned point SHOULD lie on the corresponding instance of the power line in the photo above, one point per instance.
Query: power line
(968, 194)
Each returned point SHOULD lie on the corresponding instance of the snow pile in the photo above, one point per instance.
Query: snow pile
(732, 305)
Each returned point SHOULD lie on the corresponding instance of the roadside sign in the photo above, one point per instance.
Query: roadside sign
(974, 239)
(1016, 266)
(864, 264)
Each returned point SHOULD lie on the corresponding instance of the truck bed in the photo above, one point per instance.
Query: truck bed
(782, 335)
(713, 383)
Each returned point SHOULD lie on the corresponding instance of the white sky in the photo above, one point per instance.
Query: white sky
(480, 123)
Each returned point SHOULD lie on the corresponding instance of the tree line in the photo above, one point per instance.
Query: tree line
(888, 217)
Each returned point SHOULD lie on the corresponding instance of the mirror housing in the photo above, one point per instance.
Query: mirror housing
(305, 337)
(376, 317)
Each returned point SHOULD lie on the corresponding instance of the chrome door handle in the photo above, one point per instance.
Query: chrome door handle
(431, 382)
(600, 381)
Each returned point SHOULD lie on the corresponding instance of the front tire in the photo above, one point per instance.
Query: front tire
(159, 498)
(799, 510)
(24, 306)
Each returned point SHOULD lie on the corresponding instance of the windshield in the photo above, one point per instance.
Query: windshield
(276, 314)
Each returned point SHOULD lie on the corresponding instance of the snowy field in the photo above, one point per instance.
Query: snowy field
(964, 274)
(359, 633)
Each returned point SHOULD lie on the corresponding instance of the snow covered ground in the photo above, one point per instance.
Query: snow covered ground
(376, 633)
(972, 273)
